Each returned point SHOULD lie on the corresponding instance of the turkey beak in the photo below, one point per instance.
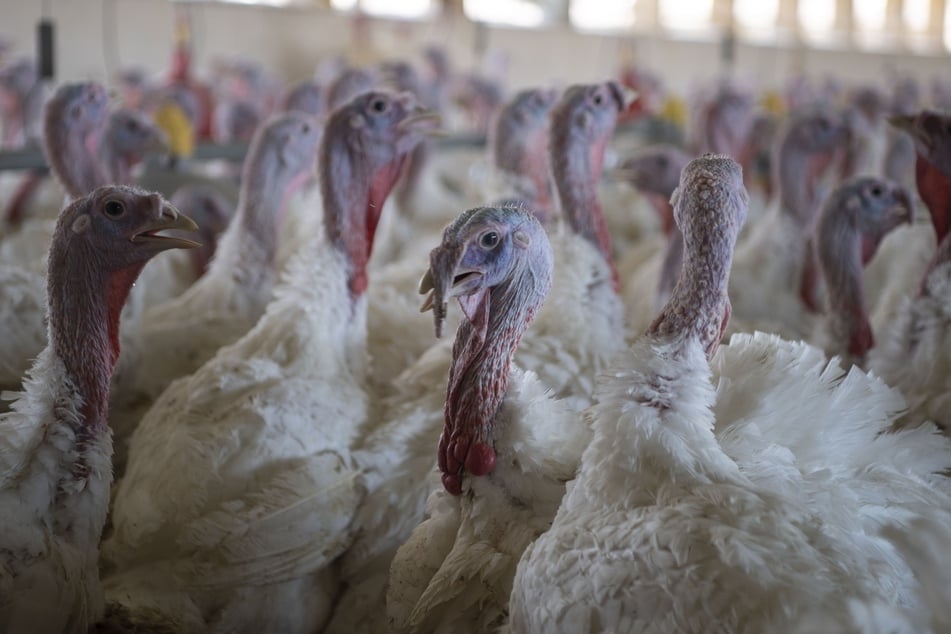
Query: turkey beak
(435, 284)
(423, 122)
(902, 211)
(443, 281)
(169, 219)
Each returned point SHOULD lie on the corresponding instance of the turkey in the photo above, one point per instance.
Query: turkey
(397, 456)
(916, 351)
(507, 447)
(75, 118)
(178, 336)
(774, 271)
(55, 452)
(518, 147)
(854, 219)
(583, 299)
(306, 96)
(522, 130)
(648, 272)
(74, 121)
(730, 488)
(126, 139)
(240, 486)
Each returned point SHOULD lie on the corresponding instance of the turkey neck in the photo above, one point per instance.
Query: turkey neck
(482, 357)
(576, 171)
(72, 158)
(699, 304)
(85, 334)
(841, 256)
(354, 194)
(528, 163)
(266, 188)
(796, 184)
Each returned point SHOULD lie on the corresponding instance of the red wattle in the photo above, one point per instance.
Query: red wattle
(481, 459)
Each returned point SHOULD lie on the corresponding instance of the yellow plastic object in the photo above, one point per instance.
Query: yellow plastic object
(675, 111)
(773, 103)
(173, 121)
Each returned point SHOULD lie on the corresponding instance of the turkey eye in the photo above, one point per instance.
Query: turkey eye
(305, 129)
(598, 99)
(876, 191)
(489, 240)
(114, 209)
(132, 126)
(378, 106)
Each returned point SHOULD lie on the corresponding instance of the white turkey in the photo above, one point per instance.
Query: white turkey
(854, 219)
(178, 336)
(915, 351)
(774, 273)
(507, 447)
(55, 446)
(728, 489)
(240, 485)
(649, 270)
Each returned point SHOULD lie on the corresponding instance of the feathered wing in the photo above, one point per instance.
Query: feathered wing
(41, 567)
(579, 328)
(746, 508)
(455, 571)
(398, 464)
(765, 278)
(22, 321)
(923, 543)
(896, 272)
(914, 354)
(241, 475)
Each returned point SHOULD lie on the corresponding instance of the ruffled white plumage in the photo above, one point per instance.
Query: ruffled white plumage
(745, 506)
(240, 485)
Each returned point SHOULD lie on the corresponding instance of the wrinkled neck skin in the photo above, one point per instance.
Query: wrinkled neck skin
(75, 162)
(265, 192)
(841, 255)
(576, 175)
(479, 374)
(86, 337)
(354, 196)
(699, 306)
(796, 185)
(670, 269)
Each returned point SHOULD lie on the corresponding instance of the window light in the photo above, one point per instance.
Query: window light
(756, 15)
(870, 14)
(686, 15)
(816, 17)
(603, 15)
(401, 9)
(915, 14)
(523, 13)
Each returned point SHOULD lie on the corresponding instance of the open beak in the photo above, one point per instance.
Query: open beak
(170, 219)
(443, 281)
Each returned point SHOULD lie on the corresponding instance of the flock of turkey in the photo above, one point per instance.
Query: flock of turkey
(695, 387)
